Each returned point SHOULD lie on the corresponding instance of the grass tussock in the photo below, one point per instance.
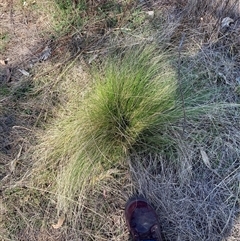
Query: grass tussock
(136, 93)
(132, 106)
(130, 103)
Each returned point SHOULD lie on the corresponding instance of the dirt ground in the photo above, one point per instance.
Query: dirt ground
(22, 36)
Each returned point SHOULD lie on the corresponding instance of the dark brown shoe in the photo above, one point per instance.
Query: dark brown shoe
(142, 220)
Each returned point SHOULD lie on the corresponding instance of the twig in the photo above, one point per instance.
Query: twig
(179, 80)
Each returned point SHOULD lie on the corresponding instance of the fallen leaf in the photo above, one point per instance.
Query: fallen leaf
(46, 53)
(92, 58)
(205, 158)
(13, 165)
(226, 22)
(150, 13)
(24, 72)
(104, 193)
(2, 62)
(14, 162)
(8, 74)
(59, 223)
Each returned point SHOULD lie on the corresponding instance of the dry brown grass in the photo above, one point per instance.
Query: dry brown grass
(196, 196)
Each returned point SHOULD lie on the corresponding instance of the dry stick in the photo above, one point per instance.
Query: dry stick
(179, 81)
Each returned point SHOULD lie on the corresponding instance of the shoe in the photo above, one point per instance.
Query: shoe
(142, 220)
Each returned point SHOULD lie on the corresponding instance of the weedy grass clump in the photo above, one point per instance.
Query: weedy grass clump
(131, 105)
(131, 98)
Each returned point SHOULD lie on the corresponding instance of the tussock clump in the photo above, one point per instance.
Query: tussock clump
(132, 105)
(135, 95)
